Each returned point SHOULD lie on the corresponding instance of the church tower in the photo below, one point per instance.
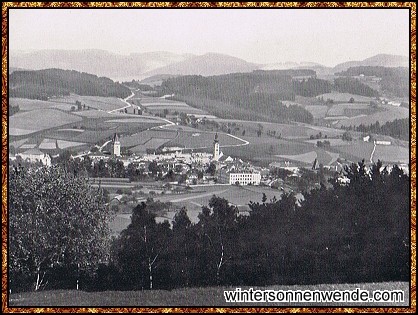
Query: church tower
(216, 148)
(116, 145)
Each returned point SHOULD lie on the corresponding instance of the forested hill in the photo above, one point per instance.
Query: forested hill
(393, 80)
(256, 95)
(42, 84)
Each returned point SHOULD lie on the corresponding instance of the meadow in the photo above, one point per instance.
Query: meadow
(186, 297)
(287, 131)
(202, 140)
(265, 149)
(39, 119)
(392, 153)
(158, 105)
(29, 104)
(46, 125)
(345, 97)
(349, 109)
(387, 113)
(317, 111)
(151, 144)
(356, 151)
(145, 136)
(95, 102)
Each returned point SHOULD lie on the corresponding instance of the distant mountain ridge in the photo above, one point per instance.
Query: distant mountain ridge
(381, 60)
(98, 62)
(142, 65)
(206, 65)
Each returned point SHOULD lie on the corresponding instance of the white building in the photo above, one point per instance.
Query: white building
(381, 142)
(35, 155)
(240, 177)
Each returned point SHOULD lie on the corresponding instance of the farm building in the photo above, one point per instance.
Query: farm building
(381, 142)
(36, 155)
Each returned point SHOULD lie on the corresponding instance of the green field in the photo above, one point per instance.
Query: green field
(198, 297)
(265, 149)
(395, 154)
(307, 158)
(345, 97)
(96, 102)
(29, 105)
(63, 144)
(317, 111)
(145, 137)
(158, 105)
(356, 151)
(388, 113)
(152, 144)
(71, 128)
(93, 113)
(18, 143)
(348, 109)
(99, 129)
(202, 140)
(39, 119)
(287, 131)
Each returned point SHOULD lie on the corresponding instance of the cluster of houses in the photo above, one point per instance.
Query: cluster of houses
(193, 165)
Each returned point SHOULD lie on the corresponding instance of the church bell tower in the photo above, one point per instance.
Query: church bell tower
(216, 148)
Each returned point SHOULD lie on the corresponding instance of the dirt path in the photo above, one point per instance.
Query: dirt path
(374, 149)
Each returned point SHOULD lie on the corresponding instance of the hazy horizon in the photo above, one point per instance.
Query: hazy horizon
(165, 51)
(262, 36)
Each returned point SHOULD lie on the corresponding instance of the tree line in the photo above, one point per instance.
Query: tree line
(399, 128)
(346, 233)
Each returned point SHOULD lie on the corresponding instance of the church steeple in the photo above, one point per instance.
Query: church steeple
(216, 148)
(116, 145)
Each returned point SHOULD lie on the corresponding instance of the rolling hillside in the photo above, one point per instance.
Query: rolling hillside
(43, 84)
(382, 60)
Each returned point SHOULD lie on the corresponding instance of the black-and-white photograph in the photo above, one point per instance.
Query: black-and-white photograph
(219, 157)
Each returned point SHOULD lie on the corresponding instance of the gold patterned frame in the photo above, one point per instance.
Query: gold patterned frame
(6, 5)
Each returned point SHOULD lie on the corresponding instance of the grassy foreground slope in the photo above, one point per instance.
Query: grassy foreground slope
(211, 296)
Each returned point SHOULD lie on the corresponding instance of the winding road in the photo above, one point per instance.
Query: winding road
(125, 100)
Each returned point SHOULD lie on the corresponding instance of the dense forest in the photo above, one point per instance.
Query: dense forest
(354, 86)
(393, 80)
(399, 128)
(312, 87)
(348, 233)
(259, 93)
(43, 84)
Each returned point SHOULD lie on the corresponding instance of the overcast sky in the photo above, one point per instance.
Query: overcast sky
(325, 36)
